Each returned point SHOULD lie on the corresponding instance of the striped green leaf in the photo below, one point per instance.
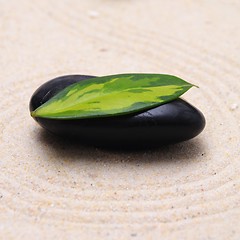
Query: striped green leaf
(112, 95)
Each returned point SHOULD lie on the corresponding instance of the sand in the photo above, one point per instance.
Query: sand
(55, 189)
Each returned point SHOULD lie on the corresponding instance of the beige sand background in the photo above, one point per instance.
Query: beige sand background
(55, 189)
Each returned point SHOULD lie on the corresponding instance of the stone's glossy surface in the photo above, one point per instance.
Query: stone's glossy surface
(169, 123)
(52, 87)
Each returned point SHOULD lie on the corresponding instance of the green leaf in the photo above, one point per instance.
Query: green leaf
(112, 95)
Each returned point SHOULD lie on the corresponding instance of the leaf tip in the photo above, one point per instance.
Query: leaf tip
(33, 113)
(193, 85)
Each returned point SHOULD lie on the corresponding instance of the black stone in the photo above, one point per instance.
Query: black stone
(172, 122)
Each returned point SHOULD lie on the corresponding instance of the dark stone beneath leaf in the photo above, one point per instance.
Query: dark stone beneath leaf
(169, 123)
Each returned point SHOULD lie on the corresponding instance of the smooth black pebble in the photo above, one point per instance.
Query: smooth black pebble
(172, 122)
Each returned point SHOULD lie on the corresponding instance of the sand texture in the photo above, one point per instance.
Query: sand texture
(51, 188)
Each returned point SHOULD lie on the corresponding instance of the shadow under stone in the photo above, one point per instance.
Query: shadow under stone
(75, 150)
